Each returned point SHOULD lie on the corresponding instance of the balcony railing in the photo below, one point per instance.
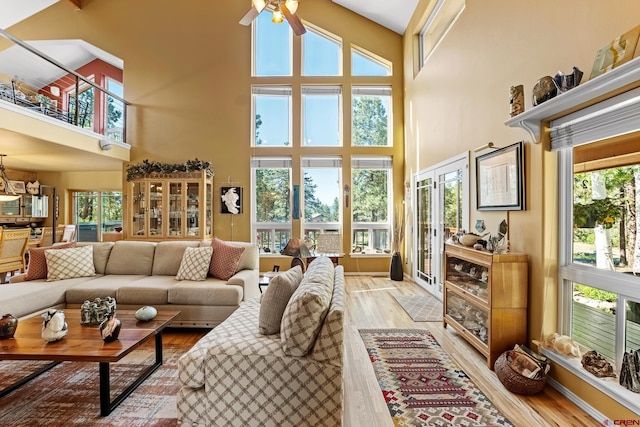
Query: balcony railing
(69, 97)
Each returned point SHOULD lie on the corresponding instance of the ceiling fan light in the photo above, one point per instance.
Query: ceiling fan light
(259, 5)
(277, 17)
(292, 5)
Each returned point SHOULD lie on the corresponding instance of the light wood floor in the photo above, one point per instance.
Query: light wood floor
(370, 304)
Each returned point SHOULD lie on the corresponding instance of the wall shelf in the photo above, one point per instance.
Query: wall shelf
(607, 85)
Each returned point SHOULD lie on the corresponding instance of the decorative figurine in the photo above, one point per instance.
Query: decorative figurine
(544, 90)
(96, 311)
(480, 227)
(146, 313)
(516, 100)
(564, 82)
(597, 365)
(110, 328)
(8, 326)
(54, 327)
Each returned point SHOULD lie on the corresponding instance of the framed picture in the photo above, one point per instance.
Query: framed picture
(19, 187)
(616, 53)
(499, 179)
(231, 200)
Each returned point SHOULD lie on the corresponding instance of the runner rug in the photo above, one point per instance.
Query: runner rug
(421, 308)
(68, 394)
(422, 385)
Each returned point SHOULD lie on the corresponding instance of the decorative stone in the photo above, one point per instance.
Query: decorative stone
(54, 327)
(8, 326)
(110, 328)
(146, 313)
(544, 90)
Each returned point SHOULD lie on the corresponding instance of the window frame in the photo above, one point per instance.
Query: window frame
(271, 91)
(321, 90)
(374, 91)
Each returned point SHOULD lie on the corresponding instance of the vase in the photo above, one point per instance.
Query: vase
(110, 328)
(8, 326)
(395, 270)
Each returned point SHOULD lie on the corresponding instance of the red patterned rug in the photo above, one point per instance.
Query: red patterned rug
(422, 384)
(68, 394)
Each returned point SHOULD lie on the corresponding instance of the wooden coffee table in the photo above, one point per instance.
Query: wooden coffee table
(84, 344)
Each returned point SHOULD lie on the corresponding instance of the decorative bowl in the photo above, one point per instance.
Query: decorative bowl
(469, 239)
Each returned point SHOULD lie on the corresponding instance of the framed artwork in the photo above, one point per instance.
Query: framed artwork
(19, 187)
(499, 179)
(231, 200)
(616, 53)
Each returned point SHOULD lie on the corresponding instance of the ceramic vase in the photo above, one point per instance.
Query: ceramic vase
(8, 326)
(110, 328)
(395, 270)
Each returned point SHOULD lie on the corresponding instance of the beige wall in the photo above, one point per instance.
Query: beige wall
(460, 100)
(187, 73)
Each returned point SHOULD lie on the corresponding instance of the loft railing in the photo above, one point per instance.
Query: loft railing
(71, 97)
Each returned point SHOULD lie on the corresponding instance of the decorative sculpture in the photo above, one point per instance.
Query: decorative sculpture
(54, 327)
(544, 90)
(94, 313)
(8, 326)
(110, 328)
(597, 365)
(564, 82)
(146, 313)
(516, 100)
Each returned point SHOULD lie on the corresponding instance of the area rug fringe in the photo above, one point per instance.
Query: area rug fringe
(422, 385)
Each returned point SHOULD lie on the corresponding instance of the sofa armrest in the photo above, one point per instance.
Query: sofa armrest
(248, 280)
(21, 277)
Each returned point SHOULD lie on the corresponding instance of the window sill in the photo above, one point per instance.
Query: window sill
(369, 255)
(609, 386)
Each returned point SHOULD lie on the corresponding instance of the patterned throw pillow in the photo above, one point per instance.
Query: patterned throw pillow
(195, 264)
(37, 262)
(69, 263)
(225, 259)
(275, 299)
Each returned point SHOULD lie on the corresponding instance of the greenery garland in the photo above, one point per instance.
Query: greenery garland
(146, 168)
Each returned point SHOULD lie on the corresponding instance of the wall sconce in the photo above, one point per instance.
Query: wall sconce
(105, 145)
(55, 90)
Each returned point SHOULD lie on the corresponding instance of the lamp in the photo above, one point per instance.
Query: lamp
(259, 5)
(292, 5)
(297, 249)
(9, 191)
(277, 16)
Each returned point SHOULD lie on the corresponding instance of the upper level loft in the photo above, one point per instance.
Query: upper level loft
(64, 99)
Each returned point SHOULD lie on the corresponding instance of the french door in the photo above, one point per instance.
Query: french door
(441, 196)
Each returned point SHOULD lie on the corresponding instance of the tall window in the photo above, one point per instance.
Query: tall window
(371, 211)
(371, 116)
(272, 112)
(365, 64)
(272, 48)
(441, 18)
(271, 181)
(95, 212)
(601, 256)
(322, 116)
(321, 54)
(322, 189)
(114, 112)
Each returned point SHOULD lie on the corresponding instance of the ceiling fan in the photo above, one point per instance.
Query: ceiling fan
(280, 7)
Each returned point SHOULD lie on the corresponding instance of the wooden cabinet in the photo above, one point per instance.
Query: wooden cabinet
(485, 298)
(24, 210)
(170, 206)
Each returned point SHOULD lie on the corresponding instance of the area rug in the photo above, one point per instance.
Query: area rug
(422, 385)
(68, 394)
(421, 308)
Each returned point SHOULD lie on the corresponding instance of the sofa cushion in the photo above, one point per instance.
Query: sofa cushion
(145, 290)
(195, 264)
(208, 292)
(168, 255)
(69, 263)
(26, 298)
(38, 263)
(99, 287)
(329, 345)
(249, 257)
(131, 257)
(275, 299)
(307, 308)
(225, 259)
(101, 252)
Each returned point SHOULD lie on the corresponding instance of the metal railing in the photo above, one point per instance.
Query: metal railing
(71, 97)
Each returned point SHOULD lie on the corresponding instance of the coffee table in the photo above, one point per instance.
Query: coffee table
(84, 344)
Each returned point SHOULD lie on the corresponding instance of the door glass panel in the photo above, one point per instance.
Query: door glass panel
(209, 209)
(155, 208)
(111, 210)
(139, 209)
(425, 230)
(193, 211)
(175, 209)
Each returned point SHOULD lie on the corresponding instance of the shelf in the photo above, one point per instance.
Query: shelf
(607, 85)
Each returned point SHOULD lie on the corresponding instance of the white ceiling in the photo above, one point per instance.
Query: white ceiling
(394, 14)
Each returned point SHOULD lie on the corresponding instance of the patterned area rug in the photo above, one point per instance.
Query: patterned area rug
(68, 394)
(421, 308)
(422, 384)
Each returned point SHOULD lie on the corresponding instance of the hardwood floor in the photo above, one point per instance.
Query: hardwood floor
(370, 304)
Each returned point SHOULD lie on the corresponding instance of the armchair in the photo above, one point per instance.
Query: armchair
(13, 244)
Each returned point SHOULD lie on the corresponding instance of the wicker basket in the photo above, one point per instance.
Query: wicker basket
(514, 381)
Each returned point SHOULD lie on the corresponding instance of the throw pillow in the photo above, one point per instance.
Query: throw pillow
(195, 264)
(225, 259)
(275, 299)
(37, 268)
(69, 263)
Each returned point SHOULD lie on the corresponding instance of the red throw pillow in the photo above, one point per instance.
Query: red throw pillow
(38, 263)
(225, 259)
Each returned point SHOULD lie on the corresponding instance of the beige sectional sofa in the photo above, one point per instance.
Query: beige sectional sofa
(138, 273)
(235, 376)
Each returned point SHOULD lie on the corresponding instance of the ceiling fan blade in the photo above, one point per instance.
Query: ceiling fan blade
(293, 20)
(250, 16)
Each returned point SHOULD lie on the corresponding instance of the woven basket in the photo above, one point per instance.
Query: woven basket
(514, 381)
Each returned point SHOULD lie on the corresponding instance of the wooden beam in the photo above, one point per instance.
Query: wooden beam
(77, 3)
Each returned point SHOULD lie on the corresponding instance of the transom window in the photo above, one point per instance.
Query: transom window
(366, 64)
(441, 18)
